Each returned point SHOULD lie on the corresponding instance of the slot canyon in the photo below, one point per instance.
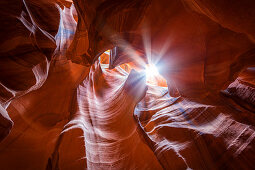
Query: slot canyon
(127, 84)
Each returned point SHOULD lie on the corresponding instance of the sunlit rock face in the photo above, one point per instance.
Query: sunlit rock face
(106, 102)
(197, 135)
(62, 108)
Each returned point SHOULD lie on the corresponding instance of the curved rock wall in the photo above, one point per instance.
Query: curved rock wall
(64, 110)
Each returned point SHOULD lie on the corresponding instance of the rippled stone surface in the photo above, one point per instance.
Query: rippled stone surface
(61, 109)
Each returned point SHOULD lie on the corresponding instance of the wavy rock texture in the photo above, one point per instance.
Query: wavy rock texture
(26, 48)
(41, 114)
(187, 134)
(106, 102)
(63, 109)
(242, 90)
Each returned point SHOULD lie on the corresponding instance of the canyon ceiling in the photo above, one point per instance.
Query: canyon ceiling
(73, 96)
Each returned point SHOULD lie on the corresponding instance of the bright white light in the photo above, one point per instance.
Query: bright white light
(107, 52)
(151, 72)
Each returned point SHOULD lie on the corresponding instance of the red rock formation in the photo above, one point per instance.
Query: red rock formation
(27, 44)
(63, 109)
(197, 135)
